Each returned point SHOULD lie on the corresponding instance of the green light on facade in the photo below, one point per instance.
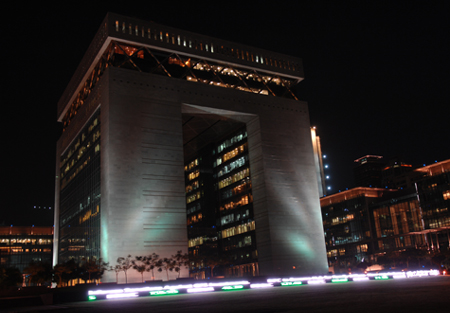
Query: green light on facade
(235, 287)
(92, 298)
(291, 283)
(339, 280)
(164, 292)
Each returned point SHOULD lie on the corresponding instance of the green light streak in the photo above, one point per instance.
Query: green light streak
(339, 280)
(291, 283)
(384, 277)
(92, 298)
(164, 292)
(235, 287)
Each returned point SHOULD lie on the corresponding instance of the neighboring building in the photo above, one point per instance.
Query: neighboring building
(147, 100)
(348, 226)
(396, 221)
(433, 192)
(364, 223)
(21, 245)
(367, 172)
(397, 174)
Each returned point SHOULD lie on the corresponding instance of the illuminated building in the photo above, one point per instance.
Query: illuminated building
(364, 223)
(144, 102)
(433, 192)
(20, 245)
(347, 224)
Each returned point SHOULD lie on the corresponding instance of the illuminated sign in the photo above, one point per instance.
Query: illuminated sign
(291, 283)
(164, 292)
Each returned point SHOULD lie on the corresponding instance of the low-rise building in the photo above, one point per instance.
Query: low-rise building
(21, 245)
(364, 223)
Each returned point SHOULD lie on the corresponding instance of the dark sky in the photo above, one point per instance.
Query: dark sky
(377, 77)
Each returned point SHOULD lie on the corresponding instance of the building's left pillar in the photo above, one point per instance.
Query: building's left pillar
(142, 172)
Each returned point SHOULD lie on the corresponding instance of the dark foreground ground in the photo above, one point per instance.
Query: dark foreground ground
(426, 294)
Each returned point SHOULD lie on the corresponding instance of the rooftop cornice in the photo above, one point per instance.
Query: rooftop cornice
(145, 33)
(353, 193)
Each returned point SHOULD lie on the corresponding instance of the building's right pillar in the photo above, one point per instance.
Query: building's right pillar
(289, 231)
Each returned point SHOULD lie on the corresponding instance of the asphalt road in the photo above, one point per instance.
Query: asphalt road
(425, 294)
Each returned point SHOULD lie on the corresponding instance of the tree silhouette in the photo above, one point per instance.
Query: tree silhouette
(166, 264)
(181, 260)
(9, 277)
(38, 272)
(152, 263)
(140, 264)
(95, 268)
(64, 271)
(117, 268)
(125, 265)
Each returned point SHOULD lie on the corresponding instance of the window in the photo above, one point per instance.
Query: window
(194, 175)
(238, 229)
(234, 178)
(195, 242)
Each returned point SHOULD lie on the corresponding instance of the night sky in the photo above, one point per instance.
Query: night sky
(377, 78)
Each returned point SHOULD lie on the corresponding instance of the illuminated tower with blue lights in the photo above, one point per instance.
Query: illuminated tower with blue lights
(144, 102)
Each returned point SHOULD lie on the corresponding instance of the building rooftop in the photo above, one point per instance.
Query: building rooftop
(26, 230)
(153, 36)
(435, 168)
(361, 159)
(353, 193)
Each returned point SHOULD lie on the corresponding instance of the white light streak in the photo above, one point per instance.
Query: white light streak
(105, 292)
(244, 282)
(261, 285)
(121, 295)
(200, 289)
